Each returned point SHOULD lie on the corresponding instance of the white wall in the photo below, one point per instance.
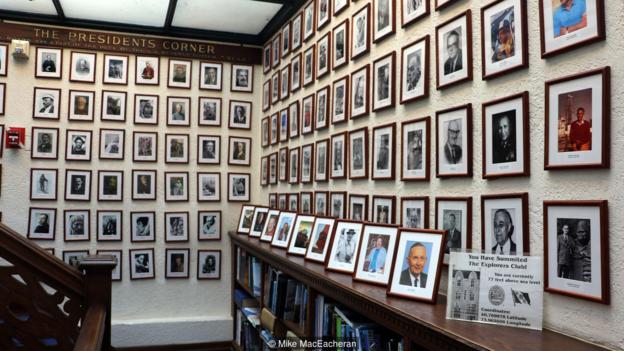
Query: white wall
(587, 320)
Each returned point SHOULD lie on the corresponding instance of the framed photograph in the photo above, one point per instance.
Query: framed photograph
(454, 142)
(296, 25)
(324, 52)
(49, 62)
(76, 225)
(266, 58)
(309, 20)
(322, 108)
(142, 264)
(176, 186)
(273, 168)
(144, 184)
(112, 144)
(286, 39)
(285, 79)
(143, 226)
(321, 199)
(208, 264)
(78, 145)
(307, 163)
(284, 229)
(209, 225)
(308, 116)
(110, 185)
(238, 186)
(505, 126)
(345, 246)
(244, 221)
(358, 207)
(179, 75)
(46, 102)
(504, 41)
(321, 238)
(576, 249)
(339, 6)
(282, 200)
(73, 257)
(376, 254)
(242, 78)
(415, 212)
(338, 156)
(208, 186)
(383, 82)
(417, 265)
(303, 230)
(413, 10)
(176, 148)
(505, 224)
(323, 15)
(322, 160)
(415, 149)
(360, 92)
(239, 151)
(208, 149)
(275, 88)
(209, 113)
(177, 263)
(144, 147)
(115, 69)
(277, 42)
(265, 132)
(268, 231)
(295, 73)
(45, 143)
(2, 98)
(274, 133)
(415, 70)
(176, 226)
(113, 106)
(440, 4)
(178, 111)
(109, 226)
(266, 95)
(306, 204)
(240, 114)
(454, 51)
(577, 120)
(384, 209)
(145, 109)
(293, 114)
(284, 126)
(258, 221)
(384, 19)
(41, 223)
(340, 101)
(569, 25)
(43, 184)
(283, 165)
(384, 152)
(360, 32)
(264, 171)
(454, 215)
(338, 203)
(149, 68)
(82, 67)
(308, 65)
(117, 271)
(358, 153)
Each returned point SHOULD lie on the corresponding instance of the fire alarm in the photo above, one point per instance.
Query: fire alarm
(15, 138)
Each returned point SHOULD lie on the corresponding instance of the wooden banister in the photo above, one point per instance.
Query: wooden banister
(91, 336)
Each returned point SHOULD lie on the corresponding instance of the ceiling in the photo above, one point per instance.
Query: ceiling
(239, 21)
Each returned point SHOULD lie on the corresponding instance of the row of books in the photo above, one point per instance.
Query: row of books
(285, 297)
(249, 271)
(247, 336)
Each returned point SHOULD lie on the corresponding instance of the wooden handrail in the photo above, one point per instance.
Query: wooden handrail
(93, 329)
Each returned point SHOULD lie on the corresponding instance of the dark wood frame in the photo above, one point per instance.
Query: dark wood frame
(275, 82)
(346, 99)
(448, 3)
(283, 51)
(230, 174)
(219, 79)
(50, 225)
(122, 143)
(3, 101)
(425, 72)
(59, 63)
(200, 138)
(392, 78)
(233, 86)
(198, 265)
(156, 70)
(92, 108)
(188, 111)
(199, 225)
(266, 103)
(218, 113)
(218, 188)
(285, 211)
(56, 185)
(230, 116)
(230, 150)
(282, 137)
(57, 105)
(468, 200)
(267, 68)
(272, 156)
(297, 118)
(127, 70)
(329, 55)
(266, 223)
(333, 242)
(68, 185)
(283, 177)
(366, 152)
(312, 170)
(87, 224)
(311, 195)
(298, 57)
(304, 23)
(119, 262)
(327, 108)
(326, 194)
(468, 135)
(154, 181)
(392, 8)
(71, 67)
(320, 25)
(240, 217)
(345, 204)
(97, 226)
(427, 157)
(32, 143)
(328, 242)
(312, 98)
(358, 258)
(120, 176)
(135, 146)
(524, 198)
(405, 24)
(391, 215)
(366, 8)
(275, 59)
(274, 138)
(392, 152)
(606, 118)
(294, 48)
(289, 198)
(171, 62)
(156, 110)
(365, 209)
(153, 236)
(103, 107)
(425, 212)
(264, 124)
(68, 156)
(188, 148)
(316, 161)
(264, 171)
(347, 44)
(345, 152)
(367, 104)
(131, 262)
(468, 39)
(291, 241)
(312, 50)
(281, 196)
(186, 185)
(336, 12)
(283, 94)
(187, 226)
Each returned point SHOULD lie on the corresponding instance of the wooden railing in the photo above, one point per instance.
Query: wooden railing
(47, 305)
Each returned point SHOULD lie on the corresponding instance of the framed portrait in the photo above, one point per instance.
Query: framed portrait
(320, 239)
(323, 15)
(240, 114)
(285, 79)
(295, 73)
(275, 88)
(283, 164)
(308, 116)
(145, 109)
(270, 226)
(376, 253)
(286, 39)
(208, 186)
(78, 145)
(43, 184)
(417, 265)
(504, 41)
(384, 19)
(274, 132)
(115, 69)
(76, 225)
(239, 151)
(358, 153)
(308, 65)
(73, 257)
(577, 120)
(413, 10)
(113, 106)
(264, 171)
(505, 126)
(360, 92)
(309, 20)
(307, 163)
(415, 70)
(345, 246)
(340, 100)
(576, 249)
(266, 95)
(142, 264)
(45, 143)
(41, 223)
(265, 131)
(338, 158)
(109, 226)
(284, 229)
(244, 220)
(415, 149)
(322, 108)
(2, 98)
(117, 271)
(384, 151)
(238, 187)
(306, 202)
(322, 160)
(46, 102)
(454, 142)
(144, 147)
(176, 226)
(505, 224)
(143, 226)
(360, 32)
(176, 186)
(284, 126)
(301, 236)
(110, 185)
(323, 46)
(209, 149)
(208, 264)
(569, 25)
(178, 111)
(454, 216)
(273, 168)
(339, 6)
(454, 51)
(209, 225)
(293, 114)
(338, 203)
(415, 212)
(82, 67)
(296, 25)
(383, 82)
(144, 184)
(176, 148)
(258, 221)
(282, 200)
(149, 68)
(209, 113)
(321, 199)
(179, 74)
(384, 209)
(211, 76)
(266, 58)
(177, 263)
(112, 144)
(242, 78)
(276, 46)
(358, 207)
(49, 62)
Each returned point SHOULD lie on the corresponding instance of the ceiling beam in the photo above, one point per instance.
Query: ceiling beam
(59, 9)
(170, 13)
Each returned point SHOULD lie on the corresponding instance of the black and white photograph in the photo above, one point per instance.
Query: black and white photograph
(383, 82)
(413, 10)
(383, 209)
(282, 200)
(293, 116)
(309, 20)
(141, 264)
(81, 105)
(239, 151)
(145, 109)
(275, 88)
(49, 62)
(276, 45)
(178, 111)
(307, 118)
(116, 274)
(43, 183)
(143, 226)
(384, 152)
(505, 224)
(293, 166)
(285, 40)
(309, 65)
(209, 149)
(179, 74)
(73, 257)
(78, 145)
(176, 186)
(358, 207)
(177, 263)
(454, 50)
(323, 62)
(273, 168)
(245, 218)
(295, 73)
(322, 108)
(209, 225)
(82, 67)
(176, 226)
(321, 203)
(320, 239)
(266, 95)
(208, 264)
(264, 133)
(338, 159)
(209, 113)
(77, 225)
(454, 215)
(109, 226)
(238, 186)
(284, 125)
(360, 32)
(454, 142)
(415, 149)
(46, 103)
(264, 171)
(285, 82)
(283, 165)
(266, 58)
(415, 212)
(110, 185)
(45, 143)
(323, 13)
(340, 48)
(113, 106)
(415, 70)
(240, 114)
(41, 223)
(358, 153)
(340, 100)
(112, 144)
(307, 163)
(339, 6)
(293, 202)
(147, 70)
(384, 19)
(338, 204)
(242, 78)
(321, 161)
(115, 69)
(274, 131)
(360, 92)
(144, 184)
(144, 147)
(306, 203)
(376, 253)
(176, 148)
(296, 25)
(208, 186)
(211, 75)
(345, 245)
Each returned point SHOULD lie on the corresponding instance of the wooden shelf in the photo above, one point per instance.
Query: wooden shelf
(424, 325)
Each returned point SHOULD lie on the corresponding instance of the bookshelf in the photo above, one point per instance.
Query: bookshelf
(423, 326)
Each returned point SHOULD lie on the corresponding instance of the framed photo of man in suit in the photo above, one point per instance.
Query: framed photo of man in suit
(78, 145)
(384, 152)
(505, 224)
(49, 62)
(454, 142)
(242, 78)
(454, 215)
(209, 113)
(383, 82)
(454, 51)
(415, 70)
(180, 74)
(44, 143)
(41, 223)
(46, 103)
(210, 75)
(415, 149)
(208, 149)
(144, 185)
(77, 185)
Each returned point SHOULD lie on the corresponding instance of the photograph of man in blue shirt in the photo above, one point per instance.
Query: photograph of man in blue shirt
(571, 15)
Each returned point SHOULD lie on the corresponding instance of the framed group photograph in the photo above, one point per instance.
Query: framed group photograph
(208, 264)
(144, 147)
(41, 223)
(176, 226)
(116, 274)
(242, 78)
(239, 151)
(179, 73)
(209, 225)
(177, 263)
(141, 264)
(82, 67)
(178, 111)
(321, 238)
(49, 62)
(321, 161)
(144, 184)
(340, 100)
(454, 50)
(384, 152)
(505, 224)
(112, 144)
(240, 114)
(415, 212)
(208, 149)
(359, 92)
(413, 10)
(176, 148)
(415, 70)
(145, 109)
(143, 226)
(384, 19)
(147, 70)
(384, 209)
(293, 114)
(77, 225)
(176, 186)
(110, 185)
(296, 25)
(81, 105)
(78, 145)
(284, 229)
(43, 183)
(46, 103)
(238, 187)
(358, 207)
(345, 246)
(383, 82)
(44, 143)
(115, 69)
(358, 153)
(301, 236)
(208, 186)
(109, 225)
(209, 113)
(340, 48)
(338, 204)
(308, 65)
(338, 159)
(454, 216)
(415, 149)
(360, 32)
(454, 142)
(113, 106)
(376, 254)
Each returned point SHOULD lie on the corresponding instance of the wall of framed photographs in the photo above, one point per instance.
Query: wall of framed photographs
(439, 114)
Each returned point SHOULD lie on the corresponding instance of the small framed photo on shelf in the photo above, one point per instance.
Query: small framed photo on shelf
(41, 223)
(244, 221)
(338, 159)
(179, 74)
(415, 70)
(301, 237)
(176, 148)
(145, 109)
(307, 163)
(209, 149)
(309, 20)
(208, 264)
(177, 263)
(76, 225)
(176, 226)
(384, 152)
(307, 123)
(359, 92)
(209, 113)
(383, 82)
(340, 48)
(322, 160)
(208, 186)
(321, 238)
(113, 106)
(270, 226)
(338, 203)
(340, 100)
(454, 142)
(144, 184)
(178, 111)
(82, 67)
(294, 116)
(144, 147)
(454, 216)
(416, 149)
(242, 78)
(238, 187)
(43, 184)
(415, 212)
(240, 114)
(143, 226)
(112, 144)
(117, 271)
(209, 225)
(147, 70)
(109, 226)
(115, 69)
(78, 145)
(45, 143)
(505, 224)
(110, 185)
(46, 102)
(412, 11)
(384, 209)
(141, 264)
(345, 246)
(376, 254)
(321, 198)
(176, 186)
(360, 32)
(284, 229)
(77, 185)
(384, 19)
(258, 221)
(49, 62)
(239, 151)
(454, 51)
(358, 207)
(358, 153)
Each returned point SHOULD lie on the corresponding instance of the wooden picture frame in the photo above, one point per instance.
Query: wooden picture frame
(384, 19)
(114, 105)
(320, 239)
(414, 84)
(208, 187)
(210, 75)
(78, 144)
(321, 160)
(177, 148)
(383, 160)
(338, 156)
(358, 153)
(141, 264)
(240, 114)
(177, 226)
(46, 102)
(208, 149)
(77, 225)
(449, 70)
(386, 214)
(447, 209)
(209, 225)
(177, 263)
(110, 185)
(44, 143)
(145, 109)
(360, 32)
(43, 184)
(385, 237)
(344, 246)
(112, 144)
(456, 162)
(239, 151)
(82, 67)
(508, 212)
(241, 79)
(77, 185)
(143, 226)
(359, 98)
(41, 223)
(109, 226)
(418, 220)
(144, 184)
(178, 111)
(416, 152)
(112, 73)
(309, 20)
(211, 267)
(235, 181)
(48, 62)
(384, 73)
(179, 73)
(308, 115)
(296, 25)
(176, 186)
(144, 147)
(150, 73)
(358, 207)
(294, 166)
(411, 14)
(340, 44)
